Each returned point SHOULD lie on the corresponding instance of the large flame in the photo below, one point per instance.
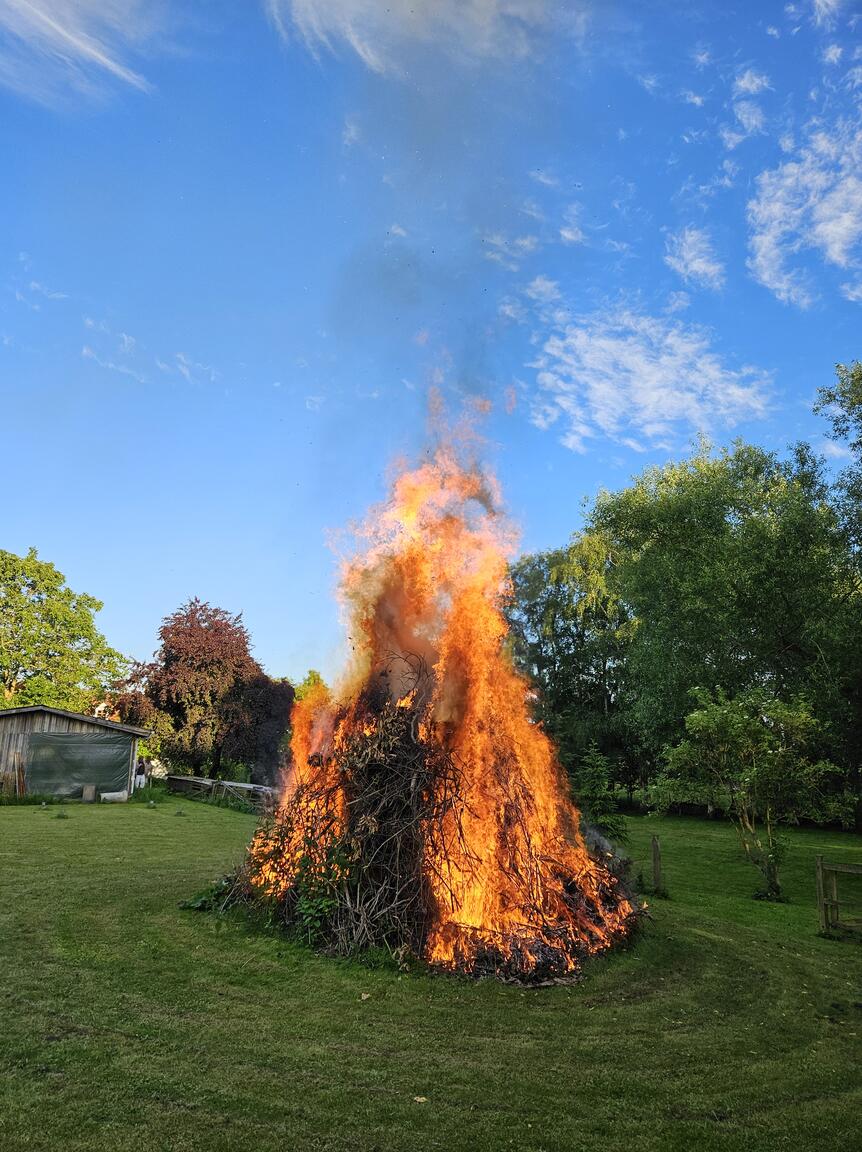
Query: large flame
(508, 874)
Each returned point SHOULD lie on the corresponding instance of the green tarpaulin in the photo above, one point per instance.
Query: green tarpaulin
(60, 764)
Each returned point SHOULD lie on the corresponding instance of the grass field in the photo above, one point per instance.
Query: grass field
(127, 1023)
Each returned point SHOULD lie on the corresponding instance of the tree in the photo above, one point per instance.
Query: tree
(736, 572)
(591, 780)
(841, 403)
(51, 651)
(312, 680)
(750, 755)
(255, 723)
(207, 699)
(568, 633)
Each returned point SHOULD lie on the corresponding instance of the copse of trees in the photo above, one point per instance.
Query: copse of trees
(207, 699)
(705, 586)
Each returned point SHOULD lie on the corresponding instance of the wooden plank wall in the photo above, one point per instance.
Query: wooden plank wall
(14, 733)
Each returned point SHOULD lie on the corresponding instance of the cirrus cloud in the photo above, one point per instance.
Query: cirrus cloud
(812, 201)
(690, 254)
(51, 47)
(379, 31)
(637, 379)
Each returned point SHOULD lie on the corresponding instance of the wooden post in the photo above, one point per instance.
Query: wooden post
(821, 895)
(834, 912)
(657, 881)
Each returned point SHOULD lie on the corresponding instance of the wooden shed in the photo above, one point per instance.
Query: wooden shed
(49, 752)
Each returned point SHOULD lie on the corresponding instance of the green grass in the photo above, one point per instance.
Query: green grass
(127, 1023)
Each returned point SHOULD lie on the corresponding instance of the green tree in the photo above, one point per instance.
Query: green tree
(569, 634)
(841, 403)
(51, 651)
(750, 755)
(591, 779)
(736, 572)
(311, 680)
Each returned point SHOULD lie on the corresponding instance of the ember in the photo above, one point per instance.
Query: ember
(424, 811)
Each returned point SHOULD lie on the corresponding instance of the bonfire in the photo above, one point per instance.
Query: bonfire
(424, 811)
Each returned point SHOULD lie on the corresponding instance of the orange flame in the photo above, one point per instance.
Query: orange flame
(429, 584)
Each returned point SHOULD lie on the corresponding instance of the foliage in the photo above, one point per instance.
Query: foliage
(751, 754)
(207, 698)
(841, 403)
(312, 680)
(591, 780)
(152, 793)
(733, 571)
(569, 633)
(255, 717)
(51, 651)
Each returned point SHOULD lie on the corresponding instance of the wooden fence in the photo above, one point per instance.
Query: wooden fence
(257, 795)
(828, 903)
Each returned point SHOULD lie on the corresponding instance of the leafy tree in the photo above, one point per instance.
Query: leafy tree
(841, 403)
(312, 680)
(51, 651)
(207, 697)
(750, 755)
(591, 779)
(255, 722)
(735, 570)
(568, 633)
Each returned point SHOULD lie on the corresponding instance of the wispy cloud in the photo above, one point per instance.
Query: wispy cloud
(192, 370)
(48, 47)
(749, 121)
(826, 11)
(508, 251)
(637, 379)
(351, 133)
(380, 32)
(571, 231)
(690, 254)
(543, 290)
(111, 365)
(812, 201)
(750, 82)
(544, 177)
(48, 293)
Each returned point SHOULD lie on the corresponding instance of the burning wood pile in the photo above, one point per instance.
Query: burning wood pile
(424, 812)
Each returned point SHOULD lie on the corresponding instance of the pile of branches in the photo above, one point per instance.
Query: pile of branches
(348, 863)
(346, 859)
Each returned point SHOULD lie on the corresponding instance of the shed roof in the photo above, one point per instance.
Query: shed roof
(96, 721)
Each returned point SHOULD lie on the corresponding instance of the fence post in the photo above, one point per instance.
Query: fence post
(821, 896)
(834, 907)
(657, 881)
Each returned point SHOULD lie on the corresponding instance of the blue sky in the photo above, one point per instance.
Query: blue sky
(240, 243)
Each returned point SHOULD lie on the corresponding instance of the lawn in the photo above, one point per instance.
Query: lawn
(128, 1023)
